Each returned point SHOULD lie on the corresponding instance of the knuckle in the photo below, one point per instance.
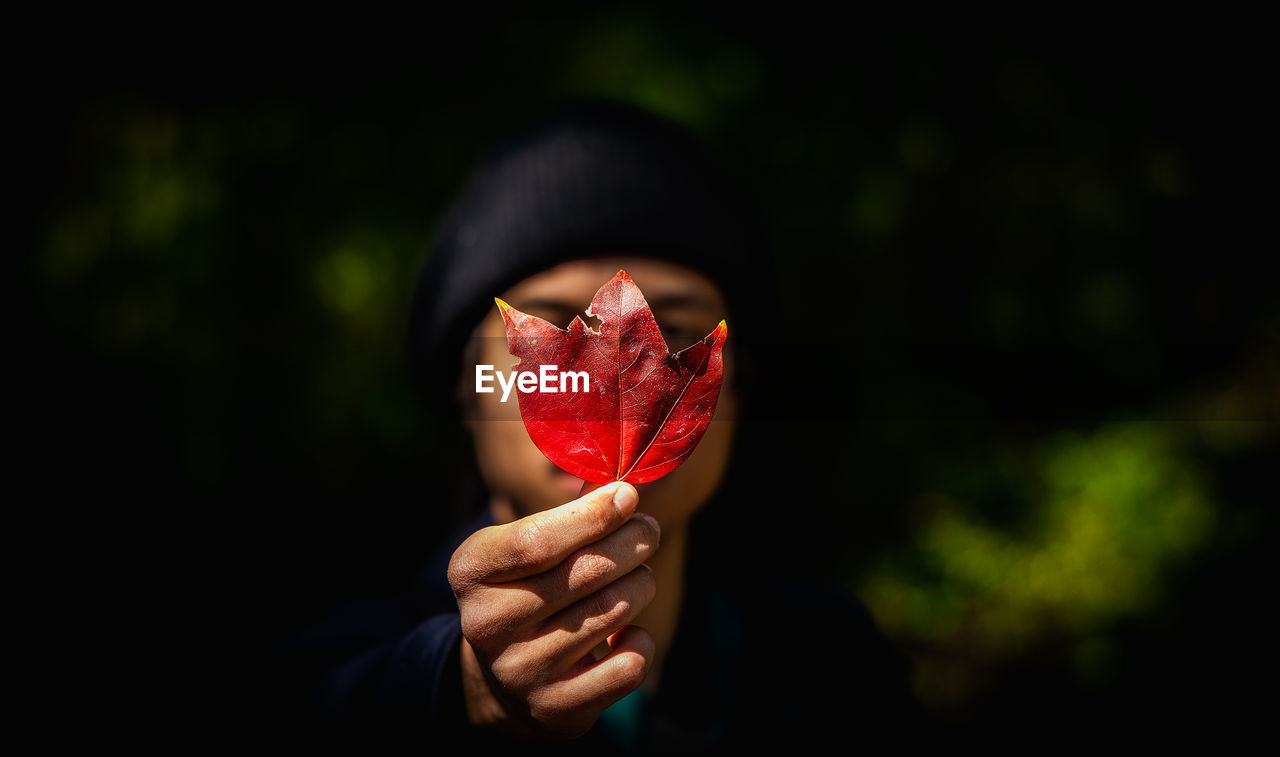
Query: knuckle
(612, 604)
(587, 568)
(559, 718)
(504, 670)
(491, 618)
(630, 671)
(512, 671)
(469, 563)
(529, 543)
(479, 623)
(606, 606)
(461, 570)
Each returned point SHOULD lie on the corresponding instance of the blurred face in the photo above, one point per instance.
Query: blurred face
(522, 480)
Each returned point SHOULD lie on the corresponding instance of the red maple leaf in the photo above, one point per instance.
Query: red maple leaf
(644, 409)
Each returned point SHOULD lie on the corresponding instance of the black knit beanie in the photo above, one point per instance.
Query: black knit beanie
(591, 179)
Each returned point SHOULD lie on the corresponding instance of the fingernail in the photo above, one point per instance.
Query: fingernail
(625, 498)
(653, 522)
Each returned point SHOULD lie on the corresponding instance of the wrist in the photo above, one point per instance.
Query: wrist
(484, 708)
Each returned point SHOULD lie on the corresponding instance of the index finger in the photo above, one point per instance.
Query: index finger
(539, 542)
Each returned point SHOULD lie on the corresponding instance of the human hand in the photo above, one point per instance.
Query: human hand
(537, 595)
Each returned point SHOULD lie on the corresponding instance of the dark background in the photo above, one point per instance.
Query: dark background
(1057, 364)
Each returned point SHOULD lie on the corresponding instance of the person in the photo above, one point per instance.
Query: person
(637, 619)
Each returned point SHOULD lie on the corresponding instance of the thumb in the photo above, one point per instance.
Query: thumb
(588, 487)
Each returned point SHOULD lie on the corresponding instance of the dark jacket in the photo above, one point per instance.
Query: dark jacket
(764, 660)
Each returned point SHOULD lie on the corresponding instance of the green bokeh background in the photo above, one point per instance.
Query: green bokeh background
(1060, 348)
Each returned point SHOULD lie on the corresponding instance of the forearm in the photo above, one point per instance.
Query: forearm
(412, 681)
